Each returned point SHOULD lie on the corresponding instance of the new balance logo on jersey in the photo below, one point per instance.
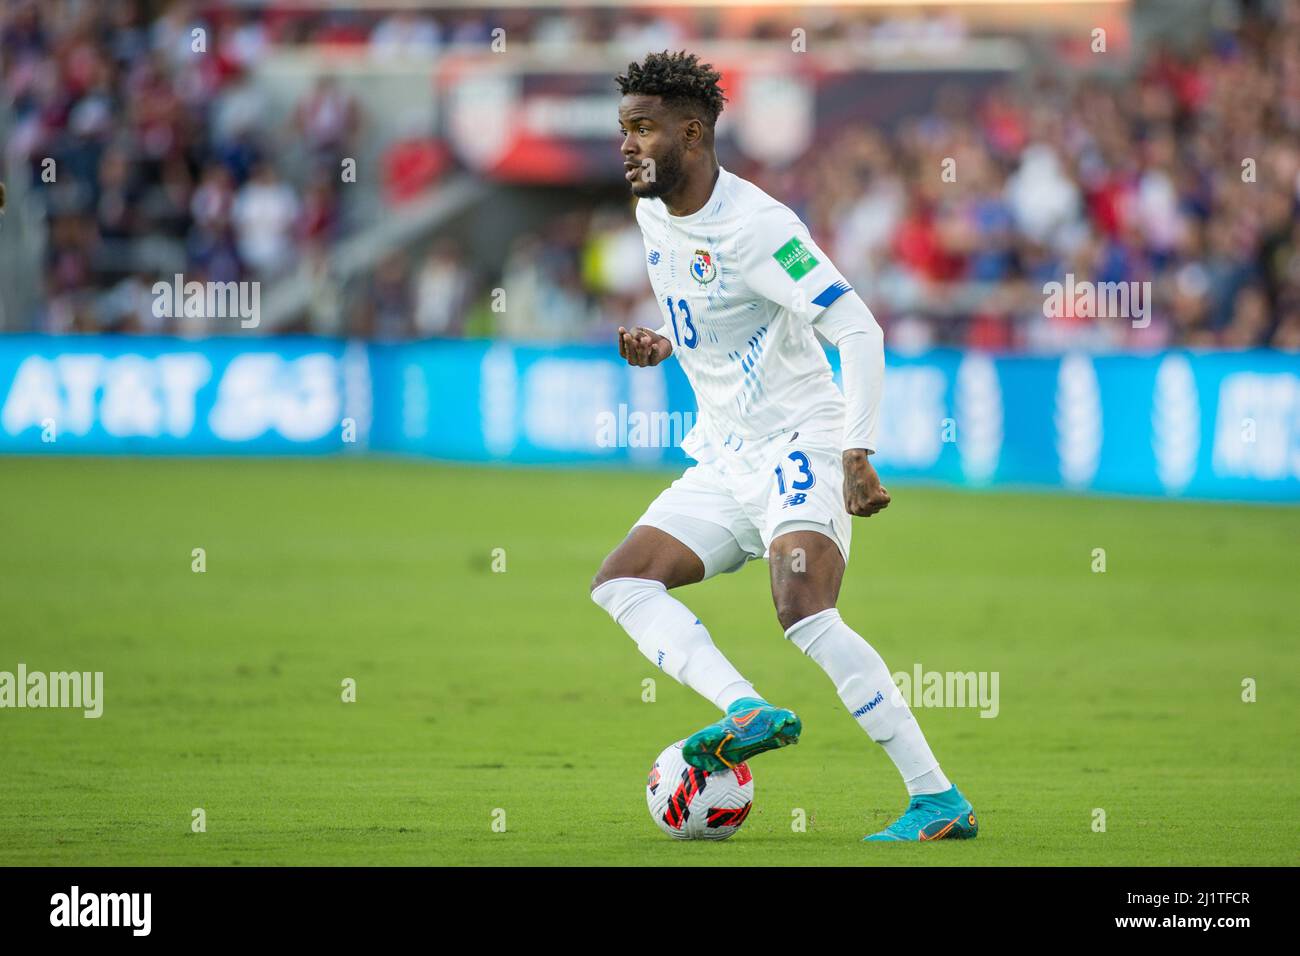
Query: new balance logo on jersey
(653, 257)
(870, 705)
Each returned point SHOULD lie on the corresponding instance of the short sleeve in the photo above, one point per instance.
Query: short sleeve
(782, 263)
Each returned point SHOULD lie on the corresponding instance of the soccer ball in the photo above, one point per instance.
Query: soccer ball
(690, 804)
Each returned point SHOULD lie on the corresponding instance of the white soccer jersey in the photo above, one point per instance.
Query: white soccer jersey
(739, 283)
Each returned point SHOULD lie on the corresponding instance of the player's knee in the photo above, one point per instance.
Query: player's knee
(611, 568)
(620, 595)
(610, 571)
(794, 605)
(602, 576)
(604, 597)
(628, 563)
(789, 613)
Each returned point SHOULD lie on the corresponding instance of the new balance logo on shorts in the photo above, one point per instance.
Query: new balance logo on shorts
(795, 499)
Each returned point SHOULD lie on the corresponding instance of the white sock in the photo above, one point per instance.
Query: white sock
(868, 691)
(672, 638)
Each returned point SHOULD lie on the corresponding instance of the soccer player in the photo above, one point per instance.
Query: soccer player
(783, 458)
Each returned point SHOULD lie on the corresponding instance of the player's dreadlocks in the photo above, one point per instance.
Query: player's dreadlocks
(677, 77)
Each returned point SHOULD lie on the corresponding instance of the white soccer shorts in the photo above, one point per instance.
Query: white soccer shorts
(729, 510)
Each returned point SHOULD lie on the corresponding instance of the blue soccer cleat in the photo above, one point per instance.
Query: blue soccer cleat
(751, 726)
(933, 816)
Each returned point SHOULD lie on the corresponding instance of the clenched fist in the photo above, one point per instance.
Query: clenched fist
(643, 348)
(864, 495)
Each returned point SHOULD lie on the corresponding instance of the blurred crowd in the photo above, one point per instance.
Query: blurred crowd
(116, 113)
(1184, 179)
(1185, 176)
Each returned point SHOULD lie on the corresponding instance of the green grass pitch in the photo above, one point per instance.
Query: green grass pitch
(479, 691)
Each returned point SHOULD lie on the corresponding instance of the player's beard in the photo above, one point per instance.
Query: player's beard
(668, 174)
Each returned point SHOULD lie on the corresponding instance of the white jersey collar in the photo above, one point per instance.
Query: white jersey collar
(704, 210)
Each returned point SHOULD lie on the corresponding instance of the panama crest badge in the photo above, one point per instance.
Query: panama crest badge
(703, 269)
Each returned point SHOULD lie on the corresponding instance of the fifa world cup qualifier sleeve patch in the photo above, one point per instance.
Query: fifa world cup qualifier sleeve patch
(795, 259)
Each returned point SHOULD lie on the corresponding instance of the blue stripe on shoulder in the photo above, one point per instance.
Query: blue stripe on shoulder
(831, 293)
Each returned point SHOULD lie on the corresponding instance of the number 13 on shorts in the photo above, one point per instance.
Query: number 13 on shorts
(802, 479)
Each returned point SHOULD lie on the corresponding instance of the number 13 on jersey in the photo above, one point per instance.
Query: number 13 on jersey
(692, 337)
